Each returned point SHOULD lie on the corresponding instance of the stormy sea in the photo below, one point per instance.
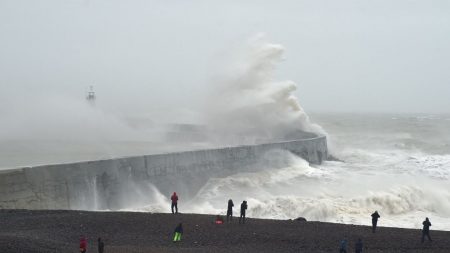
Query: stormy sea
(396, 164)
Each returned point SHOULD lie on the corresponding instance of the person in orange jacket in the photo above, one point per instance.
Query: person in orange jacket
(174, 199)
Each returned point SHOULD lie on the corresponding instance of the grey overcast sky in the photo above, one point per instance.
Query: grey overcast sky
(349, 56)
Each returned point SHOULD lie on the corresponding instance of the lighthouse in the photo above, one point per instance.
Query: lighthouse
(90, 97)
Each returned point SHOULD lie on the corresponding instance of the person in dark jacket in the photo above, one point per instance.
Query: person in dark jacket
(178, 233)
(426, 229)
(83, 244)
(375, 217)
(101, 245)
(174, 199)
(359, 246)
(243, 208)
(343, 246)
(230, 211)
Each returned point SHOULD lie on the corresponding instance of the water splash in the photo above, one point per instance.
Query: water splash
(250, 104)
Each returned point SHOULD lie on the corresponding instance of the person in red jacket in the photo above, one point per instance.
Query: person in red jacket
(174, 199)
(83, 244)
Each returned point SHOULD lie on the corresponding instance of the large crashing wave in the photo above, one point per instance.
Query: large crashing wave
(249, 103)
(334, 192)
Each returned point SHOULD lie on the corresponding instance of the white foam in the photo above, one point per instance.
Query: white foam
(335, 192)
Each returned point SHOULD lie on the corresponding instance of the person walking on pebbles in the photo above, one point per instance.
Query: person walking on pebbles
(359, 246)
(230, 211)
(178, 233)
(343, 246)
(101, 245)
(426, 229)
(243, 208)
(375, 217)
(174, 199)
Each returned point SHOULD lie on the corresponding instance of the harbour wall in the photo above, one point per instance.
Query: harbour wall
(120, 183)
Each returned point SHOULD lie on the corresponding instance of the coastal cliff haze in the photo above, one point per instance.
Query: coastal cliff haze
(196, 78)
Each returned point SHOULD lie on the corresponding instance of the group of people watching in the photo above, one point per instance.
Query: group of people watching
(230, 211)
(343, 245)
(375, 216)
(425, 230)
(179, 228)
(358, 246)
(174, 199)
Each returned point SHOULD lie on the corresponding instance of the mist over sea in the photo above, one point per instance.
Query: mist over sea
(396, 164)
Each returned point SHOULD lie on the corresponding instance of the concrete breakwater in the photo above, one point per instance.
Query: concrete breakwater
(120, 183)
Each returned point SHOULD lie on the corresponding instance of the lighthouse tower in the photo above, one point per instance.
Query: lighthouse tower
(90, 97)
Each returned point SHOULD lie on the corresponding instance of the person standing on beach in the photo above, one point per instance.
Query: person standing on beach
(178, 233)
(375, 217)
(359, 246)
(243, 208)
(426, 229)
(230, 211)
(174, 199)
(83, 244)
(343, 246)
(101, 245)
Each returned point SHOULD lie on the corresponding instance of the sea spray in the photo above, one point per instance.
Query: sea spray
(249, 105)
